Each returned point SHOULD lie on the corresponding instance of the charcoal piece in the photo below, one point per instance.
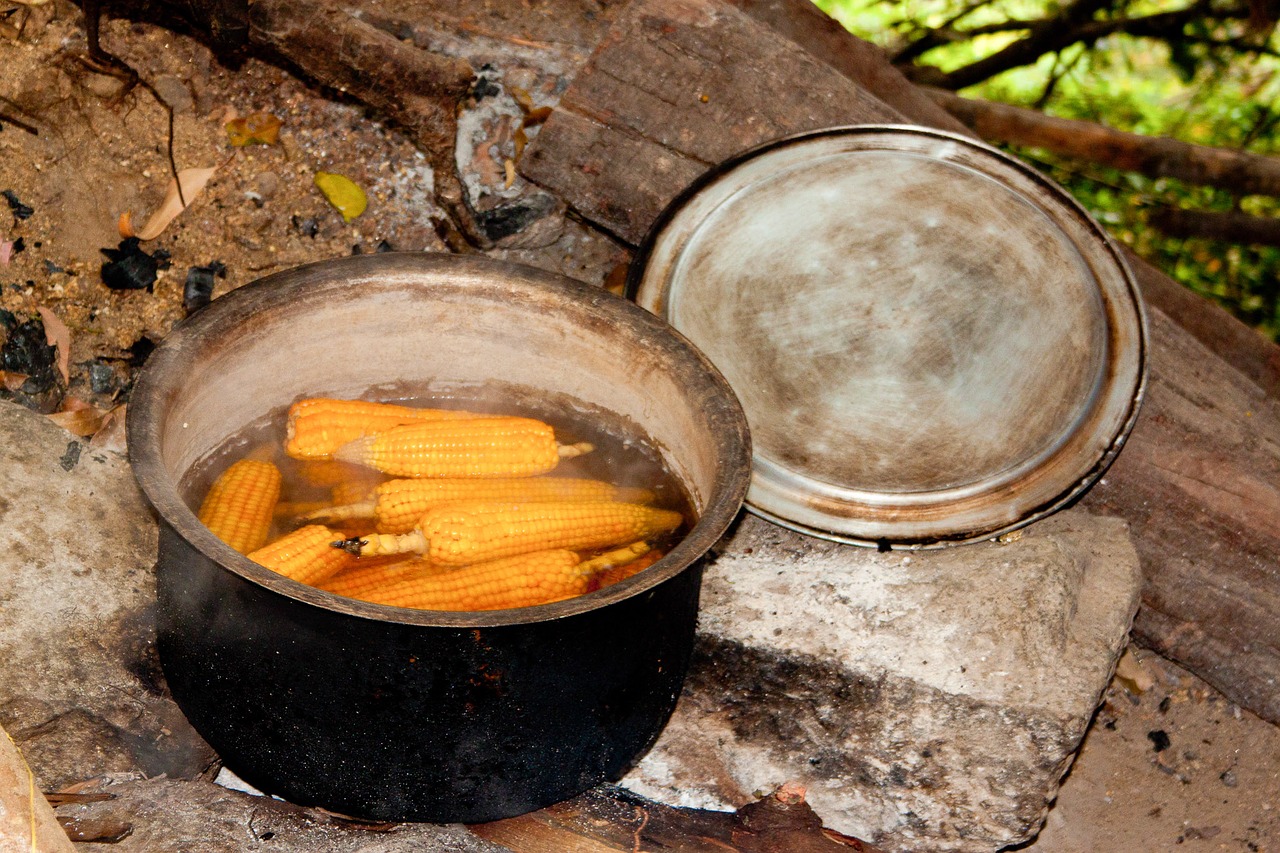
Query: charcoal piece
(20, 210)
(308, 227)
(103, 378)
(139, 350)
(197, 292)
(50, 267)
(25, 350)
(485, 85)
(1159, 739)
(71, 458)
(383, 246)
(507, 219)
(19, 245)
(130, 268)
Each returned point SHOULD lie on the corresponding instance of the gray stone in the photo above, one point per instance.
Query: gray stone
(927, 700)
(166, 816)
(81, 690)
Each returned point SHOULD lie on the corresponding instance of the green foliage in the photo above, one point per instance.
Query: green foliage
(1198, 90)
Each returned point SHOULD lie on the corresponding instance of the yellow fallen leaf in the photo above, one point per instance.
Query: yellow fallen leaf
(253, 129)
(192, 180)
(342, 193)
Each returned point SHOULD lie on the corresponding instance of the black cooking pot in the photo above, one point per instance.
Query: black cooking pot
(395, 714)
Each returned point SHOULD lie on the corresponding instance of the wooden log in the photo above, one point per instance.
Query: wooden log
(1230, 226)
(1199, 483)
(674, 87)
(1200, 478)
(27, 821)
(1237, 171)
(605, 820)
(1238, 346)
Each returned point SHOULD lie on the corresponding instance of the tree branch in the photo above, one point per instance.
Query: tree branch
(1157, 157)
(1230, 227)
(1075, 26)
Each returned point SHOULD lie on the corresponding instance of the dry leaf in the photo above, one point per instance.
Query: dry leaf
(12, 381)
(78, 418)
(521, 139)
(56, 334)
(537, 116)
(521, 97)
(253, 129)
(111, 432)
(193, 181)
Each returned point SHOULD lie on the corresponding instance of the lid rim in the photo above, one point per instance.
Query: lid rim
(1054, 478)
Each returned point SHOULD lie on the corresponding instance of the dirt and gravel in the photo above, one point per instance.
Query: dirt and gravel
(1168, 763)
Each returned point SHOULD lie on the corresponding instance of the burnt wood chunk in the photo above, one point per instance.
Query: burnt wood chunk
(674, 87)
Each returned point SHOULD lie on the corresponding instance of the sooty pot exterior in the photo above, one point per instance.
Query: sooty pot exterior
(402, 722)
(395, 714)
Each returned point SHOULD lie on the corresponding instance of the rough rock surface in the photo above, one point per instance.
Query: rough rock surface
(163, 816)
(928, 700)
(80, 688)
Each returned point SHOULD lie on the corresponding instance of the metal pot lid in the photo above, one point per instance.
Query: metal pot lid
(932, 342)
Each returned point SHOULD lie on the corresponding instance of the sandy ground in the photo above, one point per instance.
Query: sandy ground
(1168, 764)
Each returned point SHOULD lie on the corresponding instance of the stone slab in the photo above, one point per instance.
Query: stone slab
(164, 816)
(927, 700)
(81, 690)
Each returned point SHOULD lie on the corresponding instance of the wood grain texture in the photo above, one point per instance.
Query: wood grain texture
(675, 86)
(1200, 485)
(1200, 479)
(608, 819)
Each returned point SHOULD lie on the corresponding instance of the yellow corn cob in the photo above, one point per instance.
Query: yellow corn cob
(373, 572)
(318, 426)
(477, 447)
(357, 490)
(621, 572)
(464, 533)
(326, 473)
(520, 581)
(240, 504)
(396, 506)
(305, 555)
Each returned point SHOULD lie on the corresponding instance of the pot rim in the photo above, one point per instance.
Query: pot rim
(159, 378)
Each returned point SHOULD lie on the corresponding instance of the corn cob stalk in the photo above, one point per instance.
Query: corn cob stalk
(520, 581)
(318, 426)
(396, 506)
(241, 503)
(465, 533)
(477, 447)
(305, 555)
(290, 511)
